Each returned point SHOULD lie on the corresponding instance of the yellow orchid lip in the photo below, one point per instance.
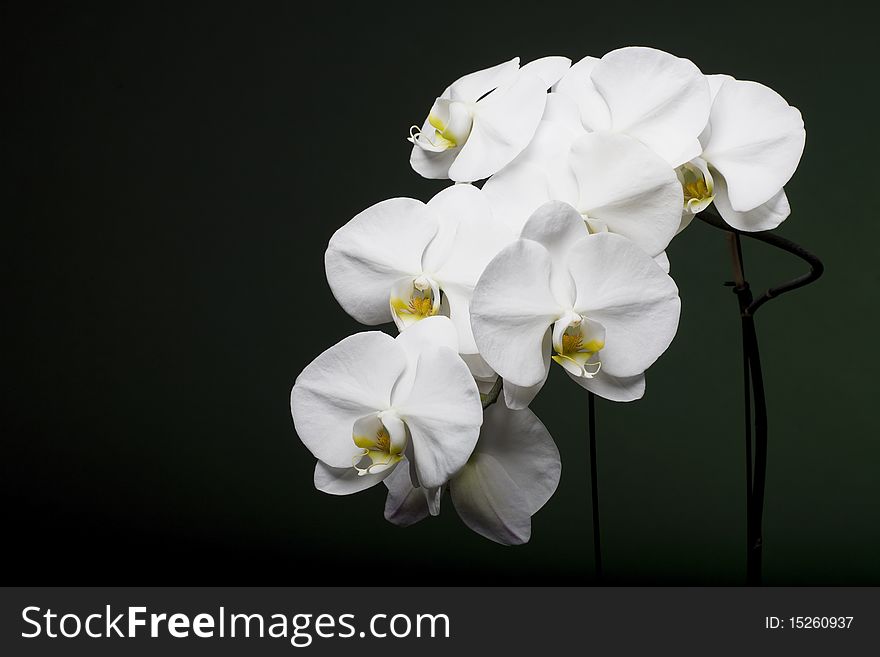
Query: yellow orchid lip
(577, 341)
(451, 123)
(697, 185)
(414, 299)
(382, 437)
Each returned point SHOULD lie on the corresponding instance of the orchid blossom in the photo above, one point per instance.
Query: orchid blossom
(484, 120)
(750, 149)
(371, 400)
(403, 260)
(657, 98)
(559, 257)
(511, 474)
(596, 304)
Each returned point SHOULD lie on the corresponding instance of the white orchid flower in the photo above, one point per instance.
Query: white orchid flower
(511, 474)
(660, 99)
(403, 260)
(615, 182)
(371, 399)
(601, 307)
(483, 120)
(751, 148)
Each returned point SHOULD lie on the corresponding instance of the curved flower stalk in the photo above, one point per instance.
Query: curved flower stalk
(657, 98)
(616, 183)
(403, 260)
(370, 400)
(512, 473)
(483, 120)
(596, 304)
(751, 147)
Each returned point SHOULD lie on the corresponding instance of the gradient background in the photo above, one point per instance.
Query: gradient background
(171, 178)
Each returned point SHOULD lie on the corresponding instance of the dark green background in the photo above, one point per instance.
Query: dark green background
(172, 176)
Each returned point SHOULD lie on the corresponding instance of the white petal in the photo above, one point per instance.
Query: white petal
(375, 249)
(422, 336)
(478, 235)
(715, 81)
(548, 69)
(617, 389)
(434, 166)
(766, 216)
(756, 142)
(515, 193)
(631, 296)
(556, 132)
(443, 412)
(473, 86)
(661, 100)
(524, 448)
(563, 111)
(578, 85)
(504, 123)
(558, 227)
(627, 187)
(490, 503)
(512, 308)
(405, 504)
(345, 481)
(351, 379)
(519, 397)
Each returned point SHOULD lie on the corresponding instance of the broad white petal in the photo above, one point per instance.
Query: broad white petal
(623, 289)
(490, 503)
(450, 206)
(624, 185)
(558, 227)
(660, 99)
(422, 336)
(766, 216)
(578, 85)
(519, 397)
(473, 86)
(405, 504)
(345, 481)
(375, 249)
(524, 448)
(548, 69)
(511, 310)
(443, 412)
(478, 236)
(504, 124)
(613, 388)
(756, 142)
(349, 380)
(515, 193)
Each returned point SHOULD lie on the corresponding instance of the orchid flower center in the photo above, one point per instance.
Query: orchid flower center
(382, 437)
(413, 299)
(450, 125)
(577, 342)
(697, 185)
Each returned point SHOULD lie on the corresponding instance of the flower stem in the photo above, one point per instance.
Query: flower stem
(594, 485)
(753, 379)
